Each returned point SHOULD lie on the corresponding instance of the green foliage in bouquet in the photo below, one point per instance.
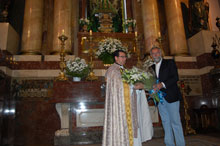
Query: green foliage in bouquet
(107, 58)
(136, 75)
(77, 68)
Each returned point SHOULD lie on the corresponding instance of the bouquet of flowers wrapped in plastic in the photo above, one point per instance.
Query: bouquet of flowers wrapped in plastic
(136, 75)
(147, 78)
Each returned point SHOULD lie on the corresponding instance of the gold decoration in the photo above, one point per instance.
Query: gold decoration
(128, 112)
(137, 50)
(83, 43)
(105, 20)
(62, 76)
(91, 63)
(105, 11)
(188, 128)
(160, 41)
(11, 60)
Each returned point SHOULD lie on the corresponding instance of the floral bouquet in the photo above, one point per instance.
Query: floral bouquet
(136, 75)
(83, 21)
(130, 22)
(148, 63)
(107, 47)
(77, 68)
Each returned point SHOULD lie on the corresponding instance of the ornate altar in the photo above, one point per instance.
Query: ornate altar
(80, 106)
(105, 12)
(85, 43)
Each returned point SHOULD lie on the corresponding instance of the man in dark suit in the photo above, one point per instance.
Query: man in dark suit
(166, 72)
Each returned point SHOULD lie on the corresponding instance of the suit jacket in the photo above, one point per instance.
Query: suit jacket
(169, 76)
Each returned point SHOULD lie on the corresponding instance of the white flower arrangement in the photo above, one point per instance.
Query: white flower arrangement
(148, 63)
(109, 46)
(84, 21)
(77, 68)
(130, 22)
(134, 75)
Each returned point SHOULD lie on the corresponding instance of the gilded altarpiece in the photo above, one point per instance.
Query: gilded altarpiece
(87, 41)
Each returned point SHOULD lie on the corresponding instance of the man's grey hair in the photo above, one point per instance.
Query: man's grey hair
(155, 47)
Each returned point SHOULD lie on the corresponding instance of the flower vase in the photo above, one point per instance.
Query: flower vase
(130, 29)
(76, 79)
(85, 28)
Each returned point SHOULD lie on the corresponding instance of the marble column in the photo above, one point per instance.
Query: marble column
(32, 27)
(62, 25)
(176, 32)
(75, 25)
(151, 23)
(47, 38)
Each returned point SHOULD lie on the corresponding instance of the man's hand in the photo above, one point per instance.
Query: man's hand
(158, 86)
(139, 86)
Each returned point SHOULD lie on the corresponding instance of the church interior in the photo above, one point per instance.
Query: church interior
(41, 105)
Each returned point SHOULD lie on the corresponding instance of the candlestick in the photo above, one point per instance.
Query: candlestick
(159, 35)
(62, 31)
(91, 53)
(136, 33)
(62, 75)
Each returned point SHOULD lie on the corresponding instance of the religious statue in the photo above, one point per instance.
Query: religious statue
(199, 14)
(105, 11)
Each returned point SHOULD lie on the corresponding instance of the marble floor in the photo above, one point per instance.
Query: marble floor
(211, 139)
(191, 140)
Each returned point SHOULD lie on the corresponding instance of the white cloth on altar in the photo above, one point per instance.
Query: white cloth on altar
(145, 130)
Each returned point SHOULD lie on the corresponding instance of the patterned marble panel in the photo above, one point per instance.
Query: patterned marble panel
(36, 122)
(192, 85)
(27, 89)
(89, 117)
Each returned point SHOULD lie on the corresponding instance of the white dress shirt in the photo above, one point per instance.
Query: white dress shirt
(157, 69)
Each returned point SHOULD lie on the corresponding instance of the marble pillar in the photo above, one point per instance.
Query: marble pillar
(75, 26)
(47, 38)
(62, 25)
(214, 11)
(176, 32)
(32, 27)
(151, 23)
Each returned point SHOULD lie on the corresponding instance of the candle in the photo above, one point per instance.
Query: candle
(90, 32)
(62, 31)
(136, 33)
(159, 35)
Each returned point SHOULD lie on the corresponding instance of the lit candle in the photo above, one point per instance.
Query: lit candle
(136, 33)
(90, 32)
(159, 35)
(63, 32)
